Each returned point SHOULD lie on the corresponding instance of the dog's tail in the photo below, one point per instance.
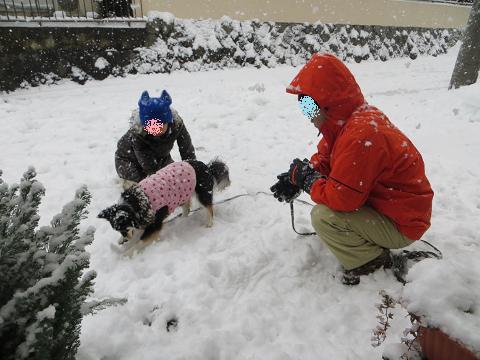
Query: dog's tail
(220, 173)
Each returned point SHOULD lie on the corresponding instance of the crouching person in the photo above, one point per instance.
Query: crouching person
(367, 178)
(145, 147)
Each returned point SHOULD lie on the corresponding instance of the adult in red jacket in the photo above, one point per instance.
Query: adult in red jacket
(367, 176)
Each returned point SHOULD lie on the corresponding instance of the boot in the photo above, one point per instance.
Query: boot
(352, 277)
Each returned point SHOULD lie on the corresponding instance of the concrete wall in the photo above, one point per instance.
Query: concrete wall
(360, 12)
(45, 54)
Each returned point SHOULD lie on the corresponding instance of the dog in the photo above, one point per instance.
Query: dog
(146, 205)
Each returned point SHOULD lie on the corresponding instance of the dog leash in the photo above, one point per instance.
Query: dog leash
(292, 214)
(292, 217)
(221, 202)
(438, 254)
(409, 254)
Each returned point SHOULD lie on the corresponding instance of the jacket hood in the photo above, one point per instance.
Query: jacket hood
(329, 82)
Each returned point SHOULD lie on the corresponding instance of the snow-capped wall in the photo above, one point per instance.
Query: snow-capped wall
(447, 294)
(32, 56)
(199, 44)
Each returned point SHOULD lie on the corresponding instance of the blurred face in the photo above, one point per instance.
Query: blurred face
(311, 110)
(155, 127)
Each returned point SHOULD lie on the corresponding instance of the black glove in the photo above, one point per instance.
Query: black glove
(284, 190)
(303, 175)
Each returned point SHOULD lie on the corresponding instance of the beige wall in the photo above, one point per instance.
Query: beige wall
(360, 12)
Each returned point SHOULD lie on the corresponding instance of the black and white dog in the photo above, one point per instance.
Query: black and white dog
(147, 204)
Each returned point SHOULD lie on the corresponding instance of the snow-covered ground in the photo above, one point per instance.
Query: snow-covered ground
(248, 288)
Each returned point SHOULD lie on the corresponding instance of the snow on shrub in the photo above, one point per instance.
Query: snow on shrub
(212, 44)
(44, 274)
(196, 45)
(101, 63)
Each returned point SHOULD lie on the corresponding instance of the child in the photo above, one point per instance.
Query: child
(145, 147)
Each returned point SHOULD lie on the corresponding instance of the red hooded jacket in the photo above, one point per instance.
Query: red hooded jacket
(366, 159)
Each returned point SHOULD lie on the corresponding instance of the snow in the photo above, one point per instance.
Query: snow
(454, 308)
(101, 63)
(249, 287)
(79, 73)
(60, 14)
(47, 313)
(167, 17)
(194, 45)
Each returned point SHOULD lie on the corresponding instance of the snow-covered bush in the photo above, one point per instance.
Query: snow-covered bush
(210, 44)
(44, 282)
(168, 44)
(78, 75)
(408, 348)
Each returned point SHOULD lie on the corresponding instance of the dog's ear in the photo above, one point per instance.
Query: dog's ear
(108, 213)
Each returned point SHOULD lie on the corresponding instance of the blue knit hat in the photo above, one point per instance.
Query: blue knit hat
(155, 108)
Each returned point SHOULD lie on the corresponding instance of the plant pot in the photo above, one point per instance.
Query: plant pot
(436, 345)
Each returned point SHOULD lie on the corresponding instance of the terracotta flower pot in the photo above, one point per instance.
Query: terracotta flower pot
(436, 345)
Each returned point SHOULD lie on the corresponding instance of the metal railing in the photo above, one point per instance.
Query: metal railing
(454, 2)
(13, 10)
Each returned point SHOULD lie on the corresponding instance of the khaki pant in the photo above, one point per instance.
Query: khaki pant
(356, 237)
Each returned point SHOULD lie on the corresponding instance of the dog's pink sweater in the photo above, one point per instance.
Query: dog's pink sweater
(172, 186)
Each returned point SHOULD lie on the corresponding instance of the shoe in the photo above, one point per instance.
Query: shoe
(352, 277)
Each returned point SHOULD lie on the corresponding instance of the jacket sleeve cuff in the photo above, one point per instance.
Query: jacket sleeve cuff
(310, 180)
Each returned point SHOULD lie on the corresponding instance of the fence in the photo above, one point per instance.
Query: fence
(69, 9)
(455, 2)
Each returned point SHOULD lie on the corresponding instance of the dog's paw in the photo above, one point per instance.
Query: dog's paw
(118, 249)
(139, 246)
(186, 209)
(122, 240)
(130, 252)
(209, 224)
